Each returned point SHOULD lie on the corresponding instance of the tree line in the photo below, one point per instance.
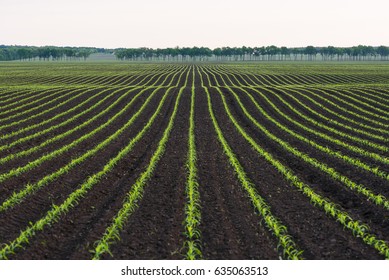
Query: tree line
(45, 53)
(255, 53)
(265, 53)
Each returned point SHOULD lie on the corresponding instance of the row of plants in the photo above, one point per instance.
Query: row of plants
(358, 228)
(325, 149)
(112, 232)
(367, 100)
(358, 105)
(30, 188)
(37, 110)
(365, 121)
(367, 130)
(38, 101)
(290, 79)
(193, 204)
(357, 125)
(376, 198)
(8, 95)
(66, 133)
(326, 120)
(20, 104)
(15, 132)
(315, 74)
(57, 211)
(289, 249)
(337, 126)
(271, 79)
(327, 137)
(37, 162)
(66, 122)
(374, 94)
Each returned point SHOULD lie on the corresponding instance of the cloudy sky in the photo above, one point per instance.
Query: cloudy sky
(211, 23)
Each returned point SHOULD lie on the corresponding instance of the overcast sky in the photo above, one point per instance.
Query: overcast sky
(211, 23)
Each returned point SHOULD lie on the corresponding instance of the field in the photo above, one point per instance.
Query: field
(194, 161)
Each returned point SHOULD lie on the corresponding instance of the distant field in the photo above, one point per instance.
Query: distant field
(187, 161)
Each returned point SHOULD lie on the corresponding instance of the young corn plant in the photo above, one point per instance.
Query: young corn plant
(359, 140)
(192, 207)
(68, 96)
(378, 126)
(47, 121)
(285, 241)
(353, 161)
(64, 134)
(112, 233)
(70, 131)
(29, 189)
(358, 127)
(55, 213)
(322, 135)
(33, 164)
(376, 198)
(359, 229)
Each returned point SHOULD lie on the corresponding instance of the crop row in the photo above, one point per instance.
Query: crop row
(358, 228)
(336, 125)
(54, 214)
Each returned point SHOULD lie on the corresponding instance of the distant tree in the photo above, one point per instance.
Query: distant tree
(271, 51)
(44, 53)
(369, 52)
(348, 52)
(184, 52)
(259, 52)
(175, 52)
(295, 52)
(218, 53)
(331, 52)
(244, 52)
(249, 52)
(158, 53)
(285, 52)
(360, 52)
(356, 52)
(194, 53)
(84, 53)
(311, 52)
(120, 54)
(8, 53)
(22, 53)
(383, 52)
(56, 53)
(327, 53)
(69, 53)
(339, 52)
(323, 52)
(205, 53)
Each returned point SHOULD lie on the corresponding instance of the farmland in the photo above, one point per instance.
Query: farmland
(194, 160)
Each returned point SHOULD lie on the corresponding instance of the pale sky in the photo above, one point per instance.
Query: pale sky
(210, 23)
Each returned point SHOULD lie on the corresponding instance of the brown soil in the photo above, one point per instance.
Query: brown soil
(230, 227)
